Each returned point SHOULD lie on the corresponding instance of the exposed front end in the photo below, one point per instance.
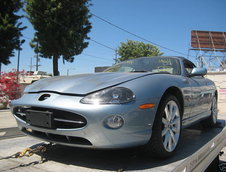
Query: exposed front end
(64, 119)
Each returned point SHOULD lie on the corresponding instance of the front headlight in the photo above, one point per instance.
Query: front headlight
(115, 95)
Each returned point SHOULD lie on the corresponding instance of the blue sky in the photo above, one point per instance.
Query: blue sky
(164, 22)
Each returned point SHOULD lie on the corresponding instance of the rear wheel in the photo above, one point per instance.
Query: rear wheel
(166, 129)
(212, 120)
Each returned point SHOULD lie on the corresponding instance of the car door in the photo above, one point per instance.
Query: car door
(198, 85)
(199, 94)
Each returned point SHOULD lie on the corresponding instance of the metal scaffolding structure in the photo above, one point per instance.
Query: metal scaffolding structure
(210, 49)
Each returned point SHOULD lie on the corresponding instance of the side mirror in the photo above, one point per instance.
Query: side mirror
(198, 72)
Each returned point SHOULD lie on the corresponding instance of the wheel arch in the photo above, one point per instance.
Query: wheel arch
(175, 91)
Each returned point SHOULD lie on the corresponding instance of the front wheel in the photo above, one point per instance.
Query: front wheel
(166, 129)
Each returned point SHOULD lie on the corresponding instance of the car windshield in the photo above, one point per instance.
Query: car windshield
(148, 64)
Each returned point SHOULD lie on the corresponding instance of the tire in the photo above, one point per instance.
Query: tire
(166, 129)
(212, 120)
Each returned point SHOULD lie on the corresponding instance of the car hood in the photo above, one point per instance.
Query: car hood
(82, 84)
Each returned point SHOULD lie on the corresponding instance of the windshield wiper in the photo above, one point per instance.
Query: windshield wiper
(163, 72)
(140, 71)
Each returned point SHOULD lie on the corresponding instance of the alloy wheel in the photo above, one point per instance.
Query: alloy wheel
(171, 124)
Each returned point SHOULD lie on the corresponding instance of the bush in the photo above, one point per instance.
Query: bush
(9, 86)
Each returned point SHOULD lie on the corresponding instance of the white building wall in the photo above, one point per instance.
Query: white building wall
(220, 80)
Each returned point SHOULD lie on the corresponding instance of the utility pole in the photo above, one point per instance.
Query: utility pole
(31, 66)
(18, 59)
(69, 70)
(37, 58)
(116, 56)
(18, 64)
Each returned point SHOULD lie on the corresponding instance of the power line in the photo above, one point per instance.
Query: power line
(85, 54)
(95, 57)
(120, 28)
(103, 45)
(106, 46)
(144, 39)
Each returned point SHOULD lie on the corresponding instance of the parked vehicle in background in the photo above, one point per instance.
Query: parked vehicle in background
(32, 76)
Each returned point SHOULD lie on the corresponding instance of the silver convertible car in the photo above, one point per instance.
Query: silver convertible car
(144, 101)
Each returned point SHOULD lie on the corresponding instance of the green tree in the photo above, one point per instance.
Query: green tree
(10, 29)
(134, 49)
(61, 28)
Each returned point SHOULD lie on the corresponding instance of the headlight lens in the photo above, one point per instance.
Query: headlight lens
(115, 95)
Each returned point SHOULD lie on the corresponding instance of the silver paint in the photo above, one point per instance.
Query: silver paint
(66, 93)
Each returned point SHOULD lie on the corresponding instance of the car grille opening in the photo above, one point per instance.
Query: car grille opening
(57, 137)
(55, 118)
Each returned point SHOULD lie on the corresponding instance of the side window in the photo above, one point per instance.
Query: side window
(188, 67)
